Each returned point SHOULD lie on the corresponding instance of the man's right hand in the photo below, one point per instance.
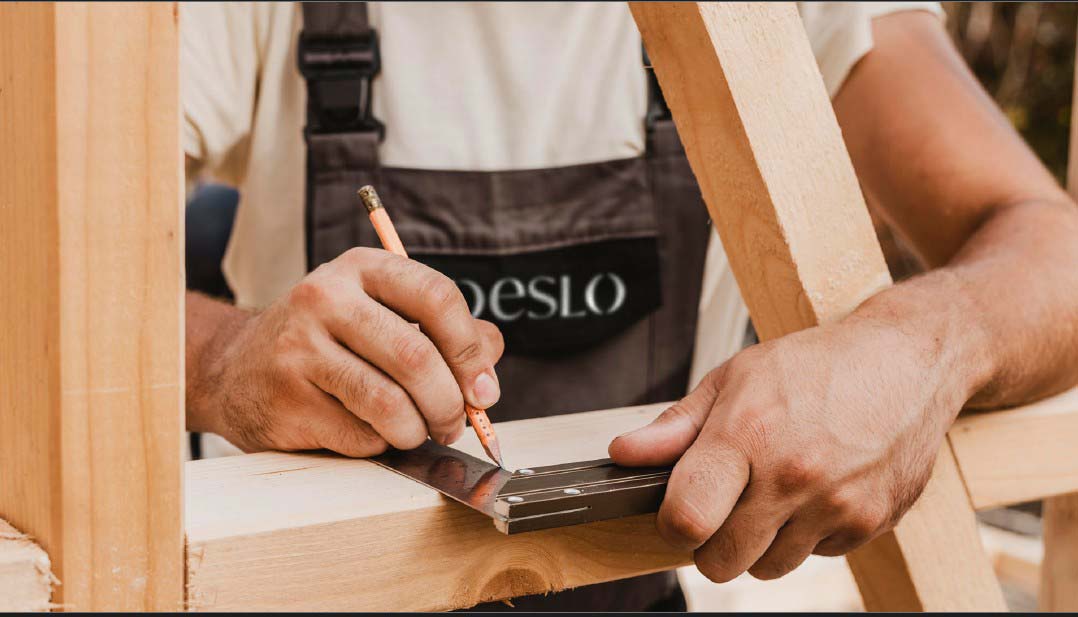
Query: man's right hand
(336, 364)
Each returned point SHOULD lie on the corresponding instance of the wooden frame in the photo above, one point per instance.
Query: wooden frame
(91, 249)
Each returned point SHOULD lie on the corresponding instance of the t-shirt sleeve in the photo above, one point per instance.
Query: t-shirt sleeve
(841, 32)
(219, 68)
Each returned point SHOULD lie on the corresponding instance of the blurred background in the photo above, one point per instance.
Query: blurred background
(1023, 53)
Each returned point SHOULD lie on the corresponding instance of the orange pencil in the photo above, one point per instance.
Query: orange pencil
(391, 242)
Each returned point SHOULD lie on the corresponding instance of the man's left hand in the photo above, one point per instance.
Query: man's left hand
(813, 443)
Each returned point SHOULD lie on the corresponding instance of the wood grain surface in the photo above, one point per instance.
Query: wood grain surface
(91, 351)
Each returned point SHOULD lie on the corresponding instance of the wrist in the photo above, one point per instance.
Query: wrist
(935, 326)
(212, 326)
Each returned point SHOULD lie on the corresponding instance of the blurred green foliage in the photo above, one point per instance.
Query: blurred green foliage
(1023, 53)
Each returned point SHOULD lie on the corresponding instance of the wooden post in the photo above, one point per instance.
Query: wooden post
(1059, 570)
(762, 138)
(91, 327)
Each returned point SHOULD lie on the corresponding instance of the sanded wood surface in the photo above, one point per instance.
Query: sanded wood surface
(896, 573)
(765, 147)
(762, 138)
(1059, 571)
(25, 575)
(1016, 560)
(91, 348)
(276, 531)
(1019, 455)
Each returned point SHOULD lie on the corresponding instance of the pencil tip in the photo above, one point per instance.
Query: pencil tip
(494, 452)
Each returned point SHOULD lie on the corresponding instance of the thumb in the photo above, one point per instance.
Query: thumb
(668, 436)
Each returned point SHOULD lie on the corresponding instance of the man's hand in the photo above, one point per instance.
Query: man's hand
(336, 364)
(812, 443)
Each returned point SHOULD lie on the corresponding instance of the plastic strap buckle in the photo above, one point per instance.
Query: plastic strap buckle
(339, 72)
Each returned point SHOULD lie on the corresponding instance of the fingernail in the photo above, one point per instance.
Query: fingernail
(485, 392)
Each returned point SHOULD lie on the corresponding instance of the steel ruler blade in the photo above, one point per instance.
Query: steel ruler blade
(536, 498)
(455, 474)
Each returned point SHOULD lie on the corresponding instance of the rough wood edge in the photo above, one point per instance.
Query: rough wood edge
(26, 578)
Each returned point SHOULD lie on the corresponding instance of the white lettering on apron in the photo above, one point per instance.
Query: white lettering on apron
(619, 293)
(496, 298)
(541, 289)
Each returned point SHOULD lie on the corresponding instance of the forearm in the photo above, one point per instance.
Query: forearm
(999, 322)
(208, 323)
(996, 314)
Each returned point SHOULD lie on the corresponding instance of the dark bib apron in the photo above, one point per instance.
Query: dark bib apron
(592, 272)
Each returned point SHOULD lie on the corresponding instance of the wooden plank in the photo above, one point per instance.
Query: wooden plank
(250, 517)
(1016, 558)
(766, 149)
(1059, 571)
(1019, 455)
(91, 353)
(25, 576)
(764, 144)
(353, 536)
(895, 572)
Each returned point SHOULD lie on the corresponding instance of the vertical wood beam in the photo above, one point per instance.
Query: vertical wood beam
(91, 330)
(762, 138)
(1059, 570)
(934, 559)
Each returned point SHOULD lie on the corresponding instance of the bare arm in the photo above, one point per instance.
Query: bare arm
(207, 321)
(952, 176)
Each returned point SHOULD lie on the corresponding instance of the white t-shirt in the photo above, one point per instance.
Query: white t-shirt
(464, 86)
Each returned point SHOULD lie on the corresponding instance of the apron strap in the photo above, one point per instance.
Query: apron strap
(657, 110)
(338, 58)
(335, 19)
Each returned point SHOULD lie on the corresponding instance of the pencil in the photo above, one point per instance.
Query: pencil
(387, 234)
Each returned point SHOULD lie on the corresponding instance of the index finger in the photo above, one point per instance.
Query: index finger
(424, 295)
